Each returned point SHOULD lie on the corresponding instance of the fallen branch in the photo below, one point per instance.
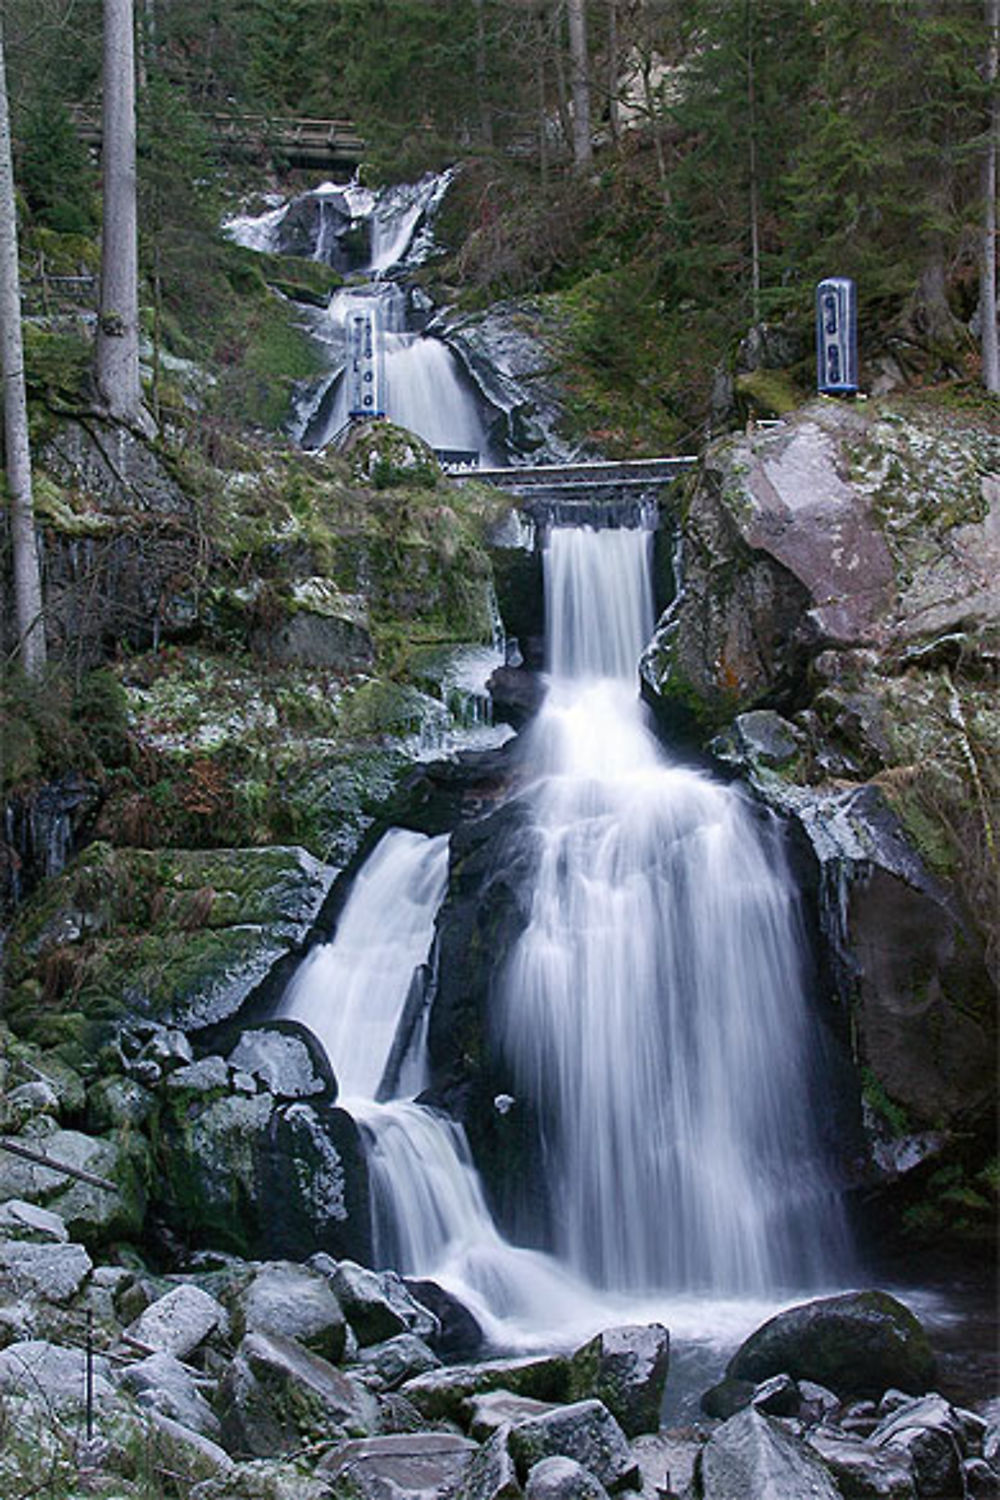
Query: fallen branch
(39, 1157)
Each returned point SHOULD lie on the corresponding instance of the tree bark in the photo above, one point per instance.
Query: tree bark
(118, 319)
(988, 269)
(28, 614)
(583, 150)
(485, 109)
(754, 169)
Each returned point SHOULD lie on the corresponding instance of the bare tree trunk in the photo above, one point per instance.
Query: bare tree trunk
(988, 269)
(562, 97)
(613, 66)
(485, 110)
(27, 575)
(543, 123)
(583, 150)
(118, 320)
(754, 170)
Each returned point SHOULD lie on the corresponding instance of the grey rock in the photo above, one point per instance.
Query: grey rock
(208, 1076)
(340, 642)
(170, 1048)
(982, 1481)
(585, 1431)
(933, 1437)
(378, 1305)
(443, 1393)
(277, 1397)
(818, 1403)
(296, 1302)
(398, 1359)
(21, 1104)
(26, 1221)
(777, 1397)
(751, 1455)
(728, 1397)
(491, 1475)
(858, 1344)
(667, 1460)
(560, 1478)
(261, 1480)
(180, 1449)
(162, 1384)
(286, 1064)
(54, 1375)
(861, 1471)
(760, 738)
(53, 1272)
(488, 1413)
(626, 1368)
(399, 1466)
(179, 1322)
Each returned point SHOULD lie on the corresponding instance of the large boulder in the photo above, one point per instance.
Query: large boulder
(277, 1397)
(179, 1322)
(840, 527)
(376, 1303)
(857, 1344)
(444, 1393)
(584, 1431)
(626, 1368)
(254, 1175)
(752, 1455)
(412, 1464)
(292, 1300)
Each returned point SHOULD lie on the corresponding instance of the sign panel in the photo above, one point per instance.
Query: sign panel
(364, 384)
(836, 336)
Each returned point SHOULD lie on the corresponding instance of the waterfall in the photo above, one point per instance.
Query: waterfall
(425, 388)
(654, 1011)
(430, 1217)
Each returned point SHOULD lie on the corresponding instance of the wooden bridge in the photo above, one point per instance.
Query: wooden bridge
(333, 144)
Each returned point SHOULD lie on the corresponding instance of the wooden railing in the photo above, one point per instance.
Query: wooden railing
(303, 142)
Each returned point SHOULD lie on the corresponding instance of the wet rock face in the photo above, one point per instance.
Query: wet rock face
(485, 911)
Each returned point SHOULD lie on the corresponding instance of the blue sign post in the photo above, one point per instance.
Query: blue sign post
(837, 336)
(364, 384)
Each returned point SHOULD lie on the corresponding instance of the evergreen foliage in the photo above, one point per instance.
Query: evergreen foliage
(54, 172)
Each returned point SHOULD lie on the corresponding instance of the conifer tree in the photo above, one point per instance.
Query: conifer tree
(990, 342)
(17, 450)
(118, 318)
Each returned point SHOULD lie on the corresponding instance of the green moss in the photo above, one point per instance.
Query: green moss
(769, 393)
(886, 1108)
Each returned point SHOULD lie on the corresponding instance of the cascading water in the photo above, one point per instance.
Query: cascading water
(423, 387)
(356, 994)
(653, 1012)
(654, 1009)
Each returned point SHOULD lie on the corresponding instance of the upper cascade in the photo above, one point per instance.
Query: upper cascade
(413, 378)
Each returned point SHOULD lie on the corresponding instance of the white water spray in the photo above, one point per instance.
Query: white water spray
(654, 1009)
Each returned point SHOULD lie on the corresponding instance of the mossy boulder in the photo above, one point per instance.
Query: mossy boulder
(172, 935)
(858, 1344)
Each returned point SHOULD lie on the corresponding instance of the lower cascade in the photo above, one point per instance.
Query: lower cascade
(654, 1013)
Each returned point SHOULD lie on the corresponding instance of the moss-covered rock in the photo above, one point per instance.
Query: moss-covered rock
(180, 935)
(859, 1344)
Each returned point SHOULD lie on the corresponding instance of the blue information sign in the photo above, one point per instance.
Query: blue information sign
(836, 336)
